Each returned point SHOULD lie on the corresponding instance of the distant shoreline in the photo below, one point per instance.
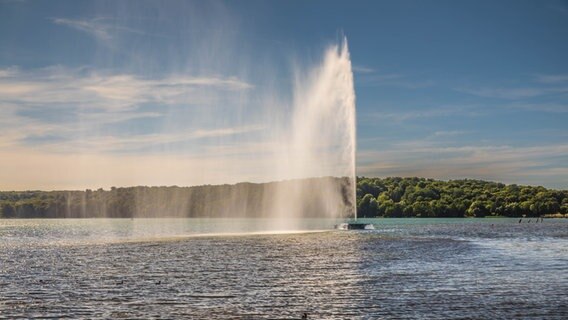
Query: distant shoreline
(393, 197)
(553, 217)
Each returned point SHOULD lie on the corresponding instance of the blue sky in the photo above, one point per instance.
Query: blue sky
(445, 89)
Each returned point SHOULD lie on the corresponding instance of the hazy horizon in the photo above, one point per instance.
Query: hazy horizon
(107, 188)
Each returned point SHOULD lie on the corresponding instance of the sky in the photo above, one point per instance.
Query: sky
(103, 93)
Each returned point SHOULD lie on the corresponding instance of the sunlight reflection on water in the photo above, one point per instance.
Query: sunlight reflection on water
(412, 268)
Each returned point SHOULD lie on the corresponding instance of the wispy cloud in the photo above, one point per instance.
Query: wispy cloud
(101, 28)
(73, 106)
(94, 27)
(134, 143)
(448, 133)
(90, 89)
(392, 79)
(8, 72)
(441, 111)
(362, 69)
(384, 78)
(540, 107)
(540, 85)
(552, 78)
(511, 164)
(513, 93)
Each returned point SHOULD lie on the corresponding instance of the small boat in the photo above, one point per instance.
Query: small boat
(355, 226)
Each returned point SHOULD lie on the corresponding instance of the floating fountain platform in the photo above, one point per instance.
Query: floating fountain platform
(355, 226)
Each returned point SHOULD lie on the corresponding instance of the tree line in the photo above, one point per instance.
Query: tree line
(376, 197)
(293, 198)
(419, 197)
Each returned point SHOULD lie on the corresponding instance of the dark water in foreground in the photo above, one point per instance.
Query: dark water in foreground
(406, 269)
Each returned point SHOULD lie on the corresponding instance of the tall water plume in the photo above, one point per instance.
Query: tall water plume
(322, 141)
(305, 155)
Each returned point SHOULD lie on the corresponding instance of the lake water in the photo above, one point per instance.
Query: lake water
(172, 268)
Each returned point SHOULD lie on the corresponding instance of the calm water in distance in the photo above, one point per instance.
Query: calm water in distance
(175, 268)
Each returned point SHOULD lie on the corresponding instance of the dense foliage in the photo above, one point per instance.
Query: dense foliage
(238, 200)
(419, 197)
(389, 197)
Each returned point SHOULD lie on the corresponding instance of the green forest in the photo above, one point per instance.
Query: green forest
(376, 197)
(419, 197)
(211, 201)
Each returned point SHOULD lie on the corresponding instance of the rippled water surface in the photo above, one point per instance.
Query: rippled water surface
(405, 269)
